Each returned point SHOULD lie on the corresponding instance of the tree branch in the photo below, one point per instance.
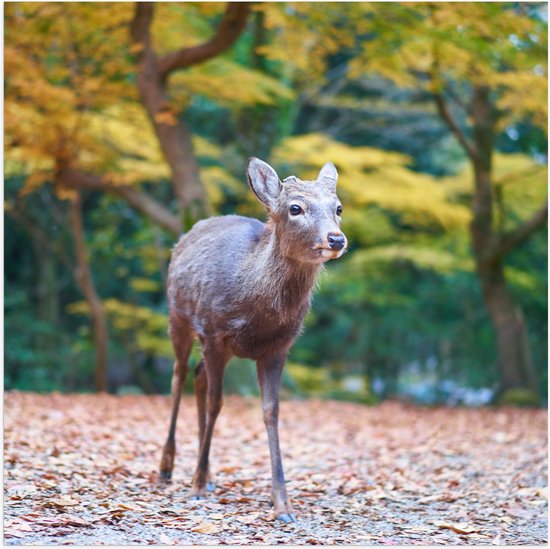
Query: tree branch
(448, 118)
(438, 85)
(509, 241)
(231, 26)
(137, 199)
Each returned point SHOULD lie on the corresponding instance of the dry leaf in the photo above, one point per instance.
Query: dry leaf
(77, 521)
(63, 502)
(206, 528)
(459, 528)
(129, 507)
(249, 518)
(409, 469)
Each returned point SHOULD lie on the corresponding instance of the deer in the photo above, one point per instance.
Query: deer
(242, 288)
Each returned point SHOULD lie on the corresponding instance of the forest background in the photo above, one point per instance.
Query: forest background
(125, 123)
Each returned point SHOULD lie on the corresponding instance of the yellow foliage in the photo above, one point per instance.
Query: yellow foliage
(62, 63)
(148, 328)
(422, 257)
(372, 176)
(216, 180)
(525, 93)
(484, 43)
(228, 84)
(183, 25)
(306, 34)
(518, 182)
(144, 285)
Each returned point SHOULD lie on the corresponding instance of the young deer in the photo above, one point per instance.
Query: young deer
(243, 288)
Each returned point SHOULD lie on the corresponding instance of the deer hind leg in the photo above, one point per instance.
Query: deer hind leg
(182, 340)
(201, 385)
(214, 366)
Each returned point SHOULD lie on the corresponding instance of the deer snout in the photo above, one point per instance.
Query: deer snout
(336, 241)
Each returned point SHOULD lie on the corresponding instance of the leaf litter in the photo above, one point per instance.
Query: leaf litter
(82, 469)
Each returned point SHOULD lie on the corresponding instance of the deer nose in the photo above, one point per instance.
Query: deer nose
(336, 240)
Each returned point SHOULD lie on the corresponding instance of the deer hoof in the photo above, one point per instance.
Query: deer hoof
(165, 476)
(287, 518)
(196, 494)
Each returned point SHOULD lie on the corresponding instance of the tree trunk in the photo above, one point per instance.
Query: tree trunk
(85, 281)
(515, 365)
(172, 133)
(47, 289)
(514, 357)
(175, 142)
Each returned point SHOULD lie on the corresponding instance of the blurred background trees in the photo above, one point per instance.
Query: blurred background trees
(126, 123)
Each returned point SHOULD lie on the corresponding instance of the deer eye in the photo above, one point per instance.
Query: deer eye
(295, 210)
(339, 210)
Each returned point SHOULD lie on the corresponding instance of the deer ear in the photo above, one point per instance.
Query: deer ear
(264, 181)
(329, 176)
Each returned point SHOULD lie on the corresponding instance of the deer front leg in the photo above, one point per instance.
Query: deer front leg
(269, 375)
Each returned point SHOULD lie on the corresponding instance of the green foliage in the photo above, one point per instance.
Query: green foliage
(345, 82)
(519, 397)
(39, 356)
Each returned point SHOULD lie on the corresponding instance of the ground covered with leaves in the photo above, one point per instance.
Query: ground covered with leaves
(82, 469)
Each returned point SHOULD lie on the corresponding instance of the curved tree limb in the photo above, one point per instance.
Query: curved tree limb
(438, 87)
(448, 118)
(231, 26)
(509, 241)
(173, 134)
(138, 199)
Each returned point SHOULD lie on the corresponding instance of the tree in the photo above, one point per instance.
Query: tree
(478, 59)
(152, 80)
(86, 283)
(66, 75)
(316, 82)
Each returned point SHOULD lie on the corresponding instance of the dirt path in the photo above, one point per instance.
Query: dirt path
(81, 469)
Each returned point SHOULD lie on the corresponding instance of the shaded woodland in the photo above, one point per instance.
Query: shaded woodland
(126, 123)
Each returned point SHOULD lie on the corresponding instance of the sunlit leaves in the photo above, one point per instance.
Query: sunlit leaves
(71, 96)
(147, 327)
(229, 84)
(375, 177)
(421, 257)
(499, 45)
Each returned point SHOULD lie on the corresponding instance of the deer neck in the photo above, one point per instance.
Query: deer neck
(279, 281)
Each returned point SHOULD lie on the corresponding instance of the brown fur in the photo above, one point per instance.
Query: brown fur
(243, 288)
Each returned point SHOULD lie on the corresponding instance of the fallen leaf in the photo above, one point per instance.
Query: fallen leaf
(18, 525)
(249, 518)
(77, 521)
(129, 507)
(459, 528)
(63, 502)
(206, 528)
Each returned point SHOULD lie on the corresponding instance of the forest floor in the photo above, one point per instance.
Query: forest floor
(82, 470)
